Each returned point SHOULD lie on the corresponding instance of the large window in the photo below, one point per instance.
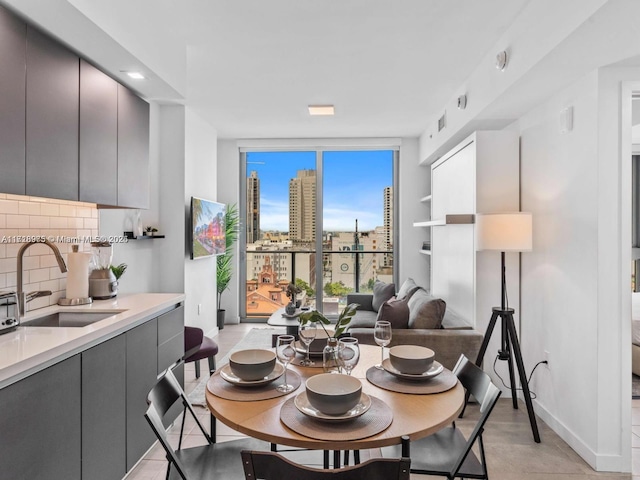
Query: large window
(324, 219)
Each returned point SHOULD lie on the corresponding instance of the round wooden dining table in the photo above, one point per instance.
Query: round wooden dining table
(414, 415)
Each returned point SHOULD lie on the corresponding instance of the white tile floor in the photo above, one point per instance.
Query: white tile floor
(511, 452)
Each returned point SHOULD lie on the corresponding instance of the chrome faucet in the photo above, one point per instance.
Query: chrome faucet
(32, 295)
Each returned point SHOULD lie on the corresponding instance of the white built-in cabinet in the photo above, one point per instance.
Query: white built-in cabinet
(479, 175)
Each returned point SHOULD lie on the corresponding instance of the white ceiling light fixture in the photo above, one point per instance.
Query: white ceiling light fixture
(321, 110)
(501, 60)
(136, 75)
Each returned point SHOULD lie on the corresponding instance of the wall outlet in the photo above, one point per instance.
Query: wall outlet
(199, 308)
(546, 359)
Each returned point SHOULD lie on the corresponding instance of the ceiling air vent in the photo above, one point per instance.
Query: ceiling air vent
(441, 121)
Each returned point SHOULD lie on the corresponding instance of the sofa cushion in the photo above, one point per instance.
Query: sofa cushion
(363, 319)
(408, 288)
(425, 311)
(395, 311)
(381, 293)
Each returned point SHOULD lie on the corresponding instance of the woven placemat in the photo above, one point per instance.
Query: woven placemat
(223, 389)
(376, 420)
(383, 379)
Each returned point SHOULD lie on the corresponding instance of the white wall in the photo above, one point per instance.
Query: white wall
(171, 193)
(575, 279)
(228, 187)
(200, 168)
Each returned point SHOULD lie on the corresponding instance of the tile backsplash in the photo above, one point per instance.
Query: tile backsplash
(62, 222)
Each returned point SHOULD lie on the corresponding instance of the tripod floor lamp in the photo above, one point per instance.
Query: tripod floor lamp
(507, 232)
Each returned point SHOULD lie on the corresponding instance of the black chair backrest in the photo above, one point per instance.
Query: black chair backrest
(478, 384)
(272, 466)
(161, 398)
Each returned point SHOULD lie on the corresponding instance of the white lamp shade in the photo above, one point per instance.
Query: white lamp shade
(505, 232)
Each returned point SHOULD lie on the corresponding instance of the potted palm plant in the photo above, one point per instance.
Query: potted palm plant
(224, 262)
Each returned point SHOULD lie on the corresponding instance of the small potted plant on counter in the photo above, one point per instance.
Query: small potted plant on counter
(150, 231)
(118, 271)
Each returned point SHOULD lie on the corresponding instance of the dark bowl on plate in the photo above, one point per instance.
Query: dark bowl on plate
(333, 394)
(252, 364)
(411, 359)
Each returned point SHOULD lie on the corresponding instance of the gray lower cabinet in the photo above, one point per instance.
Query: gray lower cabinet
(51, 118)
(13, 42)
(142, 365)
(133, 150)
(40, 425)
(84, 417)
(104, 418)
(98, 136)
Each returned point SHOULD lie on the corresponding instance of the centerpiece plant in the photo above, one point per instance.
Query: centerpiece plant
(341, 325)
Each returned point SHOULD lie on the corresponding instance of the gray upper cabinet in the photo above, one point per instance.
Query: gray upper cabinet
(13, 38)
(98, 136)
(133, 150)
(52, 118)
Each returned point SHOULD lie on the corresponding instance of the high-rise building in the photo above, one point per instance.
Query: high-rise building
(302, 206)
(388, 225)
(253, 207)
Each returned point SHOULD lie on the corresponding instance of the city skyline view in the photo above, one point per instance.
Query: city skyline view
(354, 182)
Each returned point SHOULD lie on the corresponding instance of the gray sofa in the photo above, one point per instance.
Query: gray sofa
(453, 337)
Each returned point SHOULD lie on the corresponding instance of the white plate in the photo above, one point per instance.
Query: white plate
(302, 403)
(229, 376)
(435, 370)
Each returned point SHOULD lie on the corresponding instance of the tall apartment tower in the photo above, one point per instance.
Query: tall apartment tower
(388, 225)
(253, 207)
(302, 206)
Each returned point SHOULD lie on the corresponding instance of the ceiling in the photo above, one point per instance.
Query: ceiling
(251, 67)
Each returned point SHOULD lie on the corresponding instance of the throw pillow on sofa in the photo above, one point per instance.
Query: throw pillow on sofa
(408, 288)
(381, 293)
(395, 311)
(425, 311)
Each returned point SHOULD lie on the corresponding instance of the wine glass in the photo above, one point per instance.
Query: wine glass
(285, 353)
(307, 334)
(348, 353)
(382, 336)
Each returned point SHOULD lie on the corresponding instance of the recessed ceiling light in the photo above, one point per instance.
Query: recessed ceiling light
(136, 75)
(321, 110)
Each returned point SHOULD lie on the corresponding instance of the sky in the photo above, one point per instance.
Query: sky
(354, 183)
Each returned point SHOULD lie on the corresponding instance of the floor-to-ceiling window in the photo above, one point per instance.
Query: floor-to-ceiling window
(323, 219)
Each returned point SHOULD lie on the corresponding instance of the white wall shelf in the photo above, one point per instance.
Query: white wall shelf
(454, 219)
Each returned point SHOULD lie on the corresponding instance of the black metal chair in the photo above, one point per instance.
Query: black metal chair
(211, 461)
(273, 466)
(447, 453)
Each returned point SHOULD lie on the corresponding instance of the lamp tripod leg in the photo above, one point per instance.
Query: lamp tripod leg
(509, 359)
(511, 328)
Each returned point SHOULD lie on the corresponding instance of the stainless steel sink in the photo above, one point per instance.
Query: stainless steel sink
(68, 319)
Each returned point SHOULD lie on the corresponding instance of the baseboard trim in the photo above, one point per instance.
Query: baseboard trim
(599, 462)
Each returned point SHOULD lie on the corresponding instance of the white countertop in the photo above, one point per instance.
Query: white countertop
(30, 349)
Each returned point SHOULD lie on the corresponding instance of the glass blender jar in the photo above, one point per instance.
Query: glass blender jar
(102, 282)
